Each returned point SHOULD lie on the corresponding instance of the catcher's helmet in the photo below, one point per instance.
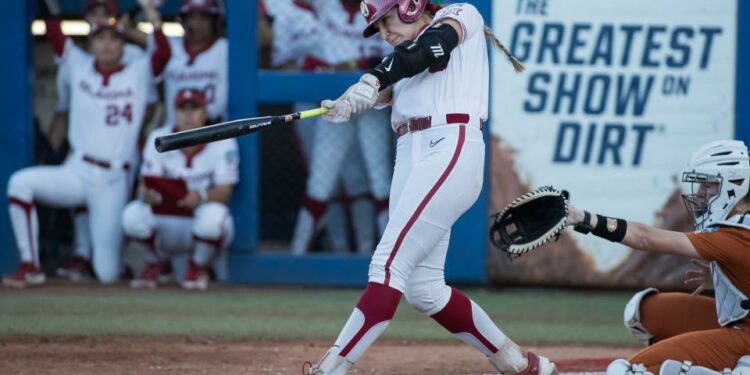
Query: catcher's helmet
(408, 10)
(716, 179)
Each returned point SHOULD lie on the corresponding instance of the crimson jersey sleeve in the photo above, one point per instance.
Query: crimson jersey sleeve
(466, 15)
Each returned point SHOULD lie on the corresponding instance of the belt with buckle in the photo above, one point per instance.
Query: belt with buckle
(416, 124)
(102, 163)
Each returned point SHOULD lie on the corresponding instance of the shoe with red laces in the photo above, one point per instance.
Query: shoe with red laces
(196, 277)
(77, 269)
(151, 275)
(26, 275)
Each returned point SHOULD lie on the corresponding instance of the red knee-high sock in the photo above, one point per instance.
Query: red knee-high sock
(370, 317)
(465, 319)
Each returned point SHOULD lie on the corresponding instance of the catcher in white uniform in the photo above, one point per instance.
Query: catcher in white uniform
(107, 103)
(437, 82)
(183, 200)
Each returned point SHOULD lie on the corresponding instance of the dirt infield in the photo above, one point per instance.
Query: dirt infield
(140, 355)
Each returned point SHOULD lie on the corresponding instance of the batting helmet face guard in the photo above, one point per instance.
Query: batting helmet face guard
(373, 10)
(715, 180)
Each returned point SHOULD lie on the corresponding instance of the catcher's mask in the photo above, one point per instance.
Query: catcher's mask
(715, 180)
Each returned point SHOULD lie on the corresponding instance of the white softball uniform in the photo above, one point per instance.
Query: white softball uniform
(295, 29)
(210, 228)
(439, 170)
(106, 112)
(205, 70)
(341, 150)
(131, 52)
(438, 175)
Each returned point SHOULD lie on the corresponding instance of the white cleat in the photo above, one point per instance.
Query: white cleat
(331, 364)
(510, 359)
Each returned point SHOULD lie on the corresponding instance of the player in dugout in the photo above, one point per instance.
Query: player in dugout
(108, 100)
(181, 220)
(690, 333)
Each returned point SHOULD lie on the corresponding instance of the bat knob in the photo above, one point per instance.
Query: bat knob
(159, 144)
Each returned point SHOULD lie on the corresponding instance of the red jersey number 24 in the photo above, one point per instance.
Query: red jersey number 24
(115, 114)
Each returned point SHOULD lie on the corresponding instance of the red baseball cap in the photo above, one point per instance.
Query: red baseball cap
(109, 5)
(109, 23)
(193, 96)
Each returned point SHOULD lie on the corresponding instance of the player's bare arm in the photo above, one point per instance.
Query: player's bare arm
(637, 235)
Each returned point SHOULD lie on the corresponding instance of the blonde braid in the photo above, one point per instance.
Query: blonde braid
(489, 35)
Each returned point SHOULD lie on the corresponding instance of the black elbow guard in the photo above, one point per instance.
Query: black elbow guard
(431, 50)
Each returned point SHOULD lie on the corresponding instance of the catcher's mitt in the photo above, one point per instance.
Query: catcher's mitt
(530, 221)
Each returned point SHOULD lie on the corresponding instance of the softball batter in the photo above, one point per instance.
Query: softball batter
(437, 82)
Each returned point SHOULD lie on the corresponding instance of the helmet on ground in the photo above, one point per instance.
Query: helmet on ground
(715, 180)
(373, 10)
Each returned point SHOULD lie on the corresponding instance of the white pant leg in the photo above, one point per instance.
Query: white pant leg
(330, 148)
(360, 206)
(375, 139)
(426, 290)
(57, 186)
(82, 245)
(444, 180)
(374, 134)
(106, 194)
(213, 230)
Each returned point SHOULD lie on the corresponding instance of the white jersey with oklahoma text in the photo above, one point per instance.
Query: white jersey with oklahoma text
(216, 163)
(106, 111)
(340, 35)
(205, 70)
(295, 32)
(461, 87)
(130, 52)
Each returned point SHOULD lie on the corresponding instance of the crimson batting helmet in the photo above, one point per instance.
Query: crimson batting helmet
(373, 10)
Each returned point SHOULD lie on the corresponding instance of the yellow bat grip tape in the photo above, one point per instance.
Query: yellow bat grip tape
(313, 112)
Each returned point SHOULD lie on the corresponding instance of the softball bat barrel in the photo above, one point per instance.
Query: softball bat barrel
(229, 129)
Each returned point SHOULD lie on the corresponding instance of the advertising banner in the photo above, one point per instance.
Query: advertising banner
(615, 98)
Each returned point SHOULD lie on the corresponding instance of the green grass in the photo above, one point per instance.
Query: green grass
(527, 315)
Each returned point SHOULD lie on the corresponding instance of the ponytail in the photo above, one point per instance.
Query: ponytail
(489, 35)
(433, 6)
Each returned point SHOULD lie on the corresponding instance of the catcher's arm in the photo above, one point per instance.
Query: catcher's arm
(634, 234)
